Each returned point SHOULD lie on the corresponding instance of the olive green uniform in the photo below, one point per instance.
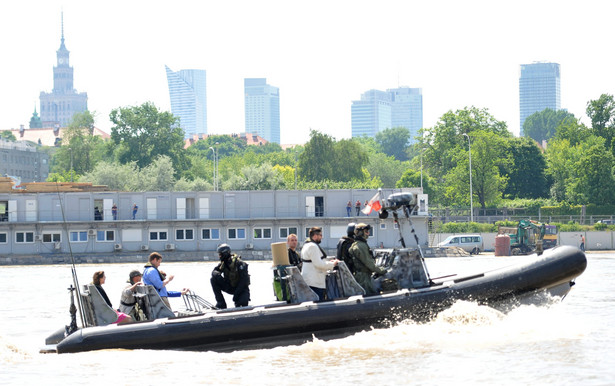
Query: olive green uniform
(364, 264)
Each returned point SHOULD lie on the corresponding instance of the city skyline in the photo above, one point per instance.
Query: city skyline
(321, 70)
(262, 109)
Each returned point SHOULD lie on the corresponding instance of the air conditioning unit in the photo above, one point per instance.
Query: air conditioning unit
(38, 237)
(249, 246)
(169, 247)
(145, 247)
(91, 232)
(117, 247)
(57, 245)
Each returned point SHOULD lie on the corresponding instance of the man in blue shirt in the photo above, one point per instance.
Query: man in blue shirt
(152, 276)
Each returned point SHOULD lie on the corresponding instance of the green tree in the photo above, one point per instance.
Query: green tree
(527, 174)
(594, 183)
(560, 159)
(542, 125)
(386, 168)
(489, 154)
(158, 176)
(316, 162)
(252, 177)
(349, 160)
(143, 133)
(573, 131)
(122, 177)
(394, 142)
(441, 142)
(411, 178)
(602, 114)
(8, 135)
(80, 149)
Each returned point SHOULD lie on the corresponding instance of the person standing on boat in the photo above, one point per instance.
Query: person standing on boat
(344, 245)
(293, 255)
(363, 259)
(98, 279)
(230, 276)
(316, 263)
(128, 300)
(152, 276)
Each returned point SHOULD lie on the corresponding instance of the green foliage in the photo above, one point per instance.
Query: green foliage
(143, 133)
(63, 176)
(387, 168)
(527, 171)
(602, 114)
(252, 177)
(394, 142)
(8, 135)
(198, 185)
(122, 177)
(466, 227)
(542, 125)
(412, 179)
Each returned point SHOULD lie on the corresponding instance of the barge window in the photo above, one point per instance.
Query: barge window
(210, 234)
(184, 234)
(2, 238)
(285, 231)
(24, 237)
(78, 236)
(105, 235)
(262, 233)
(236, 233)
(158, 235)
(52, 237)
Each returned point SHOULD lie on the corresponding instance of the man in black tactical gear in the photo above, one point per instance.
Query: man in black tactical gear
(344, 245)
(230, 276)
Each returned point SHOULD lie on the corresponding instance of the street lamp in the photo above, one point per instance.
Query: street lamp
(71, 163)
(215, 151)
(470, 155)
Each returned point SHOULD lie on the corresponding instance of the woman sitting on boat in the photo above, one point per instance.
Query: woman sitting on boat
(98, 280)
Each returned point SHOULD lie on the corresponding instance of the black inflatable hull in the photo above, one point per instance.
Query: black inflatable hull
(267, 326)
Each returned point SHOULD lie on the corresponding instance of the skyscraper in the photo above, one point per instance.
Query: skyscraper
(539, 88)
(187, 89)
(407, 109)
(380, 110)
(262, 105)
(59, 106)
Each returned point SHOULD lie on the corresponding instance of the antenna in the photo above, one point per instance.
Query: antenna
(62, 22)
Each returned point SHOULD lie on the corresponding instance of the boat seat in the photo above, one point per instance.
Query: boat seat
(154, 306)
(299, 290)
(96, 310)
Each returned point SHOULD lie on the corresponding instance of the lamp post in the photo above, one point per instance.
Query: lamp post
(470, 155)
(215, 151)
(421, 167)
(71, 163)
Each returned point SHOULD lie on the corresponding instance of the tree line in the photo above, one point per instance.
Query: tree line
(557, 159)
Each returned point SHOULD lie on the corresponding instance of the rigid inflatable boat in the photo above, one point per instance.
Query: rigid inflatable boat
(533, 281)
(405, 291)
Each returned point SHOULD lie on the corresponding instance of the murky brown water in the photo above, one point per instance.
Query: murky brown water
(572, 342)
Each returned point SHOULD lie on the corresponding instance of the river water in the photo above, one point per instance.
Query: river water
(567, 343)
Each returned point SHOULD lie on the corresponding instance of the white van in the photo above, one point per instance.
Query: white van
(469, 243)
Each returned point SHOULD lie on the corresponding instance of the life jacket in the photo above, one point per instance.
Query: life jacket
(149, 265)
(343, 252)
(231, 271)
(357, 263)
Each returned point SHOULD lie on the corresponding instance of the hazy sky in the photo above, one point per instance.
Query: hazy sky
(321, 54)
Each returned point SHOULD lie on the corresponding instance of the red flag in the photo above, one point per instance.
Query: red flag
(373, 204)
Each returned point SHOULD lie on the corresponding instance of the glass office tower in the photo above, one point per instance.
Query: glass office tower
(262, 109)
(187, 89)
(539, 88)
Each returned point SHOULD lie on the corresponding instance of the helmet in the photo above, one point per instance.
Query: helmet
(224, 250)
(350, 229)
(360, 229)
(134, 274)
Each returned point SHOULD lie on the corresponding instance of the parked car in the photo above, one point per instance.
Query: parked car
(469, 243)
(607, 222)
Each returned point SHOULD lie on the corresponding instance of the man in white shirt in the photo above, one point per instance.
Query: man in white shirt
(316, 263)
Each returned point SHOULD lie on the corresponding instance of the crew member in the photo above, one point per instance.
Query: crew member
(293, 255)
(316, 263)
(230, 276)
(363, 259)
(152, 276)
(344, 245)
(128, 300)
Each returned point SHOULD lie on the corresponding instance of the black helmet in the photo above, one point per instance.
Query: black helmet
(350, 229)
(134, 274)
(224, 251)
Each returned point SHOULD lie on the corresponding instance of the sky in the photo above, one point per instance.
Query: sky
(322, 55)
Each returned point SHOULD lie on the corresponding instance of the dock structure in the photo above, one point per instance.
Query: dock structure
(48, 221)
